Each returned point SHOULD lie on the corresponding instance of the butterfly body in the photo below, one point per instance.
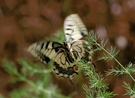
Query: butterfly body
(64, 55)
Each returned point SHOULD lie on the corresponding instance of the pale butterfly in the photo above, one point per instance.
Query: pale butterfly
(64, 55)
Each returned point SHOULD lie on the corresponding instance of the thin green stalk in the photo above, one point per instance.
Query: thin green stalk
(115, 60)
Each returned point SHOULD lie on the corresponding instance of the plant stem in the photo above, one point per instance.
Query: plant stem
(115, 60)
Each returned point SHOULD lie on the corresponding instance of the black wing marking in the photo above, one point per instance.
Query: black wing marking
(44, 51)
(69, 73)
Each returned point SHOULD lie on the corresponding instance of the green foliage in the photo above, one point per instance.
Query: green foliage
(110, 54)
(129, 89)
(97, 88)
(39, 86)
(1, 96)
(128, 69)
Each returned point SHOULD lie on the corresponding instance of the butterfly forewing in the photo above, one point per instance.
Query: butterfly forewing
(46, 51)
(74, 28)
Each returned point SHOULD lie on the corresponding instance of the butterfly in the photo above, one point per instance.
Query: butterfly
(64, 55)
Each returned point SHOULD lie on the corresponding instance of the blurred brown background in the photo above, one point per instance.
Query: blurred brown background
(23, 22)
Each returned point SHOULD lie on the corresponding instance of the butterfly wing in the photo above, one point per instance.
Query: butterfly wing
(46, 51)
(74, 28)
(81, 50)
(63, 56)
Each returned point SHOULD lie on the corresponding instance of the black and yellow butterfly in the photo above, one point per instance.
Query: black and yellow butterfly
(64, 55)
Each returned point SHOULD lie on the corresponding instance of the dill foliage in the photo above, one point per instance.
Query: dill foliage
(95, 78)
(38, 80)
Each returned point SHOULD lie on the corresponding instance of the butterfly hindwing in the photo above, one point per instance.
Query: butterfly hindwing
(74, 28)
(81, 50)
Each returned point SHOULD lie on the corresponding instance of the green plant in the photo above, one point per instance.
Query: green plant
(108, 54)
(38, 80)
(96, 88)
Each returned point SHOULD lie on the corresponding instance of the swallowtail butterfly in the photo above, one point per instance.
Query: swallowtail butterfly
(64, 55)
